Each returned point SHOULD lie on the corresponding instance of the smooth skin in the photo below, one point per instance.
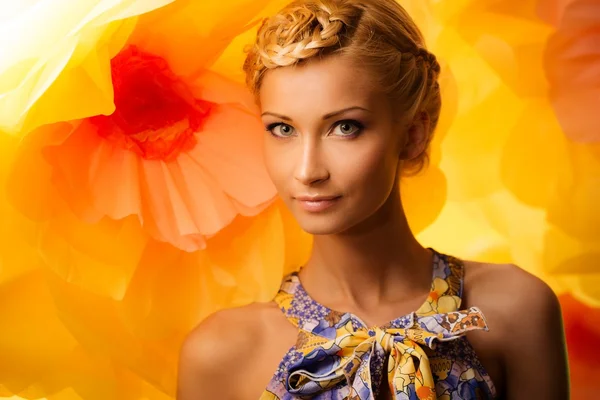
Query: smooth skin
(330, 131)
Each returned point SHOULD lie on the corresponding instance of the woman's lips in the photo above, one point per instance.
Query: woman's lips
(317, 204)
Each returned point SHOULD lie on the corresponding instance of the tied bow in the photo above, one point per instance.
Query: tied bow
(357, 357)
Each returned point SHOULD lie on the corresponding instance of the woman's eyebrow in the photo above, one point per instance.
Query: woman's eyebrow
(283, 117)
(325, 117)
(333, 114)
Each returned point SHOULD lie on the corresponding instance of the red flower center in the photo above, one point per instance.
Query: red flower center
(156, 113)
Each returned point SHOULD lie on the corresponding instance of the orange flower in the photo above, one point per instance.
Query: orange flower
(181, 151)
(180, 154)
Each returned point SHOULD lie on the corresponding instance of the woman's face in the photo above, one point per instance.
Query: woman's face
(332, 145)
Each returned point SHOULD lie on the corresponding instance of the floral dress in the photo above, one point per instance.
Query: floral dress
(424, 354)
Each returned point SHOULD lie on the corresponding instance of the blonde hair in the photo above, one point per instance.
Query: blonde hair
(379, 34)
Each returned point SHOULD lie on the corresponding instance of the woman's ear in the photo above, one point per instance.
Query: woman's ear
(417, 137)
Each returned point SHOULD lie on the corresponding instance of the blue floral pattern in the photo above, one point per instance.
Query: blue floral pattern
(424, 355)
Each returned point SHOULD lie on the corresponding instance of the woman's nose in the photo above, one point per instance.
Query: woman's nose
(311, 167)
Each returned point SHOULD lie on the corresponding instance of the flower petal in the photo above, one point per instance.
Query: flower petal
(230, 149)
(61, 55)
(205, 26)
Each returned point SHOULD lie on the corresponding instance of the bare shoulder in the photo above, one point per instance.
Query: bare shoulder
(509, 293)
(211, 351)
(525, 330)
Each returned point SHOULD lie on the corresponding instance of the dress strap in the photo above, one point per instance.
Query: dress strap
(285, 298)
(446, 288)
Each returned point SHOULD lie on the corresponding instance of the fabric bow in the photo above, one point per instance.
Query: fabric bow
(357, 357)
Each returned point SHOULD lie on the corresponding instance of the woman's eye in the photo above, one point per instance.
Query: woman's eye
(347, 128)
(281, 130)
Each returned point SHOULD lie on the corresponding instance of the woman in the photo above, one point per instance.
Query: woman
(350, 100)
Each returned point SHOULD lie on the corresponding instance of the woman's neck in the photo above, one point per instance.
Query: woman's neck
(372, 264)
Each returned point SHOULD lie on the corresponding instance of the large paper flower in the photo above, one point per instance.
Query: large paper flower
(62, 52)
(182, 149)
(100, 196)
(54, 272)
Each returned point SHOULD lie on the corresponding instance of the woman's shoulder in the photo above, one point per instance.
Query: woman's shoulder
(223, 327)
(525, 325)
(227, 341)
(507, 291)
(222, 334)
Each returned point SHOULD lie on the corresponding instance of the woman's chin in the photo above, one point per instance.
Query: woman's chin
(322, 224)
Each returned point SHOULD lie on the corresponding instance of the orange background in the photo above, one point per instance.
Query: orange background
(134, 201)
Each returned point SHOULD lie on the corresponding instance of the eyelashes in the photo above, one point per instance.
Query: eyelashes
(347, 128)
